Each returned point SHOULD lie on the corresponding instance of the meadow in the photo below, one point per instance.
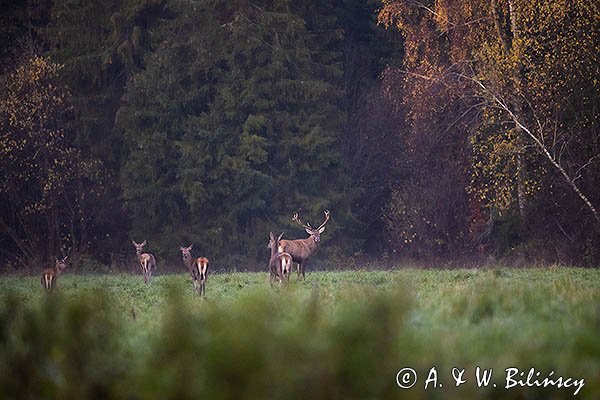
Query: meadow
(337, 335)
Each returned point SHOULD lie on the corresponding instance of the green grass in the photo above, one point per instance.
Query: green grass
(341, 335)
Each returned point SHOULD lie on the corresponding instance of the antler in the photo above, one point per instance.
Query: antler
(307, 225)
(326, 212)
(296, 218)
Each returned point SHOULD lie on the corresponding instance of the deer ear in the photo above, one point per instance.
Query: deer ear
(144, 243)
(322, 230)
(133, 242)
(271, 236)
(309, 231)
(65, 259)
(190, 246)
(280, 236)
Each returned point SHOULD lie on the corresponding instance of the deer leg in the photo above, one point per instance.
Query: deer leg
(300, 270)
(198, 288)
(286, 277)
(143, 271)
(202, 288)
(279, 272)
(48, 282)
(273, 272)
(149, 269)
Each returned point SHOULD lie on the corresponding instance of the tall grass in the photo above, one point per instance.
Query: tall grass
(339, 335)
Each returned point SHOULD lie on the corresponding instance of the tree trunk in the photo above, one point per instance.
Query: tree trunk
(539, 145)
(508, 36)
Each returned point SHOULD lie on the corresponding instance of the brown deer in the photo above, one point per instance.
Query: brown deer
(146, 260)
(50, 275)
(301, 249)
(197, 267)
(280, 263)
(201, 265)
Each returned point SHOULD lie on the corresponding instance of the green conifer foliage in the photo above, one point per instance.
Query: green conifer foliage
(232, 124)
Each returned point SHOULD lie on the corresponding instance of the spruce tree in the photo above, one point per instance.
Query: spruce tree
(231, 127)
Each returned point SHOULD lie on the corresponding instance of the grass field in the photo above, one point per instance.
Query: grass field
(340, 335)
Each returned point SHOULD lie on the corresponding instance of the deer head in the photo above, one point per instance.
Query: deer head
(60, 265)
(315, 233)
(138, 246)
(273, 242)
(186, 252)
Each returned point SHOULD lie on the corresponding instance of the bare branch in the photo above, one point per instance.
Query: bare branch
(563, 231)
(539, 144)
(584, 166)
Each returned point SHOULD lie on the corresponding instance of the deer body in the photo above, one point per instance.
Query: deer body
(197, 267)
(186, 253)
(146, 260)
(301, 249)
(284, 261)
(50, 275)
(201, 265)
(280, 263)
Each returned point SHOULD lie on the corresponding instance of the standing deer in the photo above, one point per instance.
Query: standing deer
(201, 265)
(301, 249)
(146, 260)
(186, 253)
(280, 263)
(197, 267)
(50, 275)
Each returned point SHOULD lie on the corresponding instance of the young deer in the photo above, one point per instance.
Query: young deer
(197, 267)
(280, 263)
(201, 265)
(50, 275)
(146, 260)
(301, 249)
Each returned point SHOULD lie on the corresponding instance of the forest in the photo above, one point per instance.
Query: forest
(435, 131)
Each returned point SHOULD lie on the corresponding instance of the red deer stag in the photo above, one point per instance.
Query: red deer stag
(197, 267)
(146, 260)
(50, 275)
(280, 263)
(301, 249)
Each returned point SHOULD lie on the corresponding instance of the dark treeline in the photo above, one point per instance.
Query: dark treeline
(438, 130)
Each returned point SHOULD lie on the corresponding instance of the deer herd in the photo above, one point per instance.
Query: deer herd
(283, 254)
